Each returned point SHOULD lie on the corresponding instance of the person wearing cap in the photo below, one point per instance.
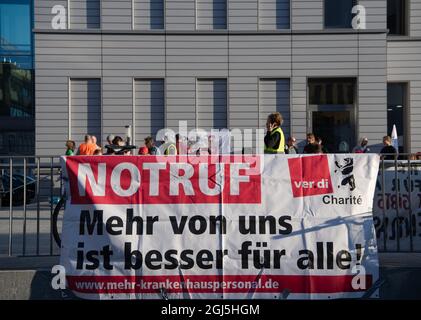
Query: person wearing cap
(362, 147)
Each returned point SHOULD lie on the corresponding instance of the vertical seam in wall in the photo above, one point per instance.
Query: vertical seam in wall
(69, 104)
(258, 15)
(195, 14)
(357, 106)
(133, 110)
(68, 14)
(258, 102)
(408, 100)
(195, 103)
(229, 69)
(132, 14)
(165, 66)
(291, 70)
(102, 75)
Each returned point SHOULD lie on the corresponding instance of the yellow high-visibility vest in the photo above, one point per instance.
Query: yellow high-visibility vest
(281, 148)
(170, 149)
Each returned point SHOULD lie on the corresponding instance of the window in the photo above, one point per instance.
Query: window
(396, 111)
(274, 97)
(331, 113)
(211, 14)
(396, 17)
(211, 103)
(274, 14)
(149, 108)
(338, 13)
(148, 14)
(16, 78)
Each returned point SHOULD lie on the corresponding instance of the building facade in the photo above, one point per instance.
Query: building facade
(103, 65)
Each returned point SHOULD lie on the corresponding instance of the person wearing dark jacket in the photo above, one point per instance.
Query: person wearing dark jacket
(388, 149)
(311, 146)
(274, 139)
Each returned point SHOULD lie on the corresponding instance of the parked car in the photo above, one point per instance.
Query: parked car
(17, 189)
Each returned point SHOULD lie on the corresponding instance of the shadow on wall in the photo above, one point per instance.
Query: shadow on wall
(93, 14)
(156, 13)
(282, 14)
(219, 14)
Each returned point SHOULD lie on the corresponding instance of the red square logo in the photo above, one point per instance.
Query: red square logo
(310, 176)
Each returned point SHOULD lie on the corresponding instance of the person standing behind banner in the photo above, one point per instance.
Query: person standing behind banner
(95, 142)
(71, 146)
(274, 139)
(150, 144)
(319, 141)
(310, 147)
(180, 143)
(143, 151)
(362, 147)
(290, 147)
(87, 148)
(169, 148)
(110, 139)
(388, 149)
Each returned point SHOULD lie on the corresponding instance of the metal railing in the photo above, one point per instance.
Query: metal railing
(397, 204)
(31, 189)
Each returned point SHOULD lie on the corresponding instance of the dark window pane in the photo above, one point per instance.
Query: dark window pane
(15, 91)
(331, 91)
(396, 108)
(338, 13)
(396, 17)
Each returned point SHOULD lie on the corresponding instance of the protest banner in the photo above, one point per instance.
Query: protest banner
(220, 227)
(397, 207)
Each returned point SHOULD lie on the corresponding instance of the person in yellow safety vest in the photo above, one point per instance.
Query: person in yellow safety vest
(168, 147)
(274, 139)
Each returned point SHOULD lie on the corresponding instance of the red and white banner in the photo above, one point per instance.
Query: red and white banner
(220, 227)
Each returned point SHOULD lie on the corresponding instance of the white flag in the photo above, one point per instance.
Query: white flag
(395, 141)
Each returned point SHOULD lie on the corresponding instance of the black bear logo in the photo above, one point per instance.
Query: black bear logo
(346, 169)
